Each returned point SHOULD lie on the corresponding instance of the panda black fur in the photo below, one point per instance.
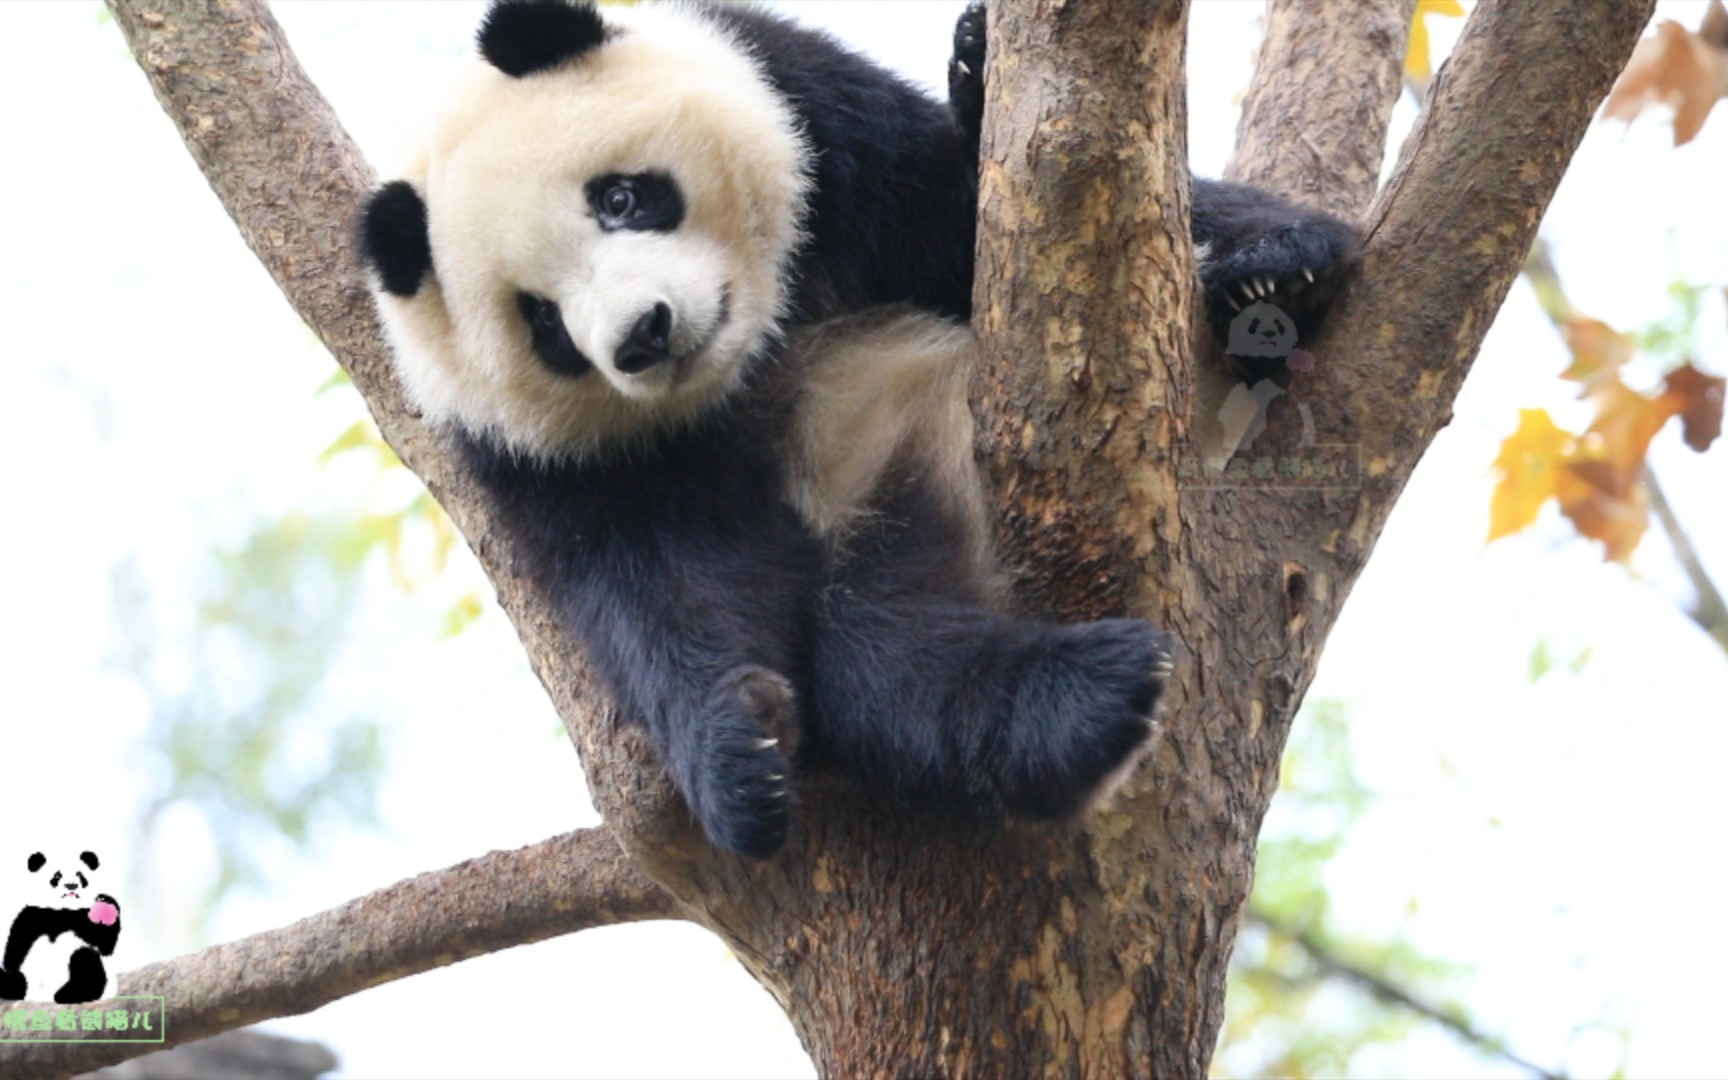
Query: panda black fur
(72, 922)
(684, 283)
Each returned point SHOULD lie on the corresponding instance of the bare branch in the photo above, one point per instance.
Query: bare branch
(1452, 226)
(1314, 119)
(507, 898)
(1709, 611)
(1330, 963)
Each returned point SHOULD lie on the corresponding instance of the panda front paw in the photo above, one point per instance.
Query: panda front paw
(966, 71)
(1084, 712)
(742, 796)
(1269, 296)
(13, 986)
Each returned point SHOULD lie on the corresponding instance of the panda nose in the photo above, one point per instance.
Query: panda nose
(649, 342)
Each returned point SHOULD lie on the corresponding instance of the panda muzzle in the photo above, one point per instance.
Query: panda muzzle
(649, 342)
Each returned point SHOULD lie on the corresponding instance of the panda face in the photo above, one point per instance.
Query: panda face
(609, 237)
(67, 886)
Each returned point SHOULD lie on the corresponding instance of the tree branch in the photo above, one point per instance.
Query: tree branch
(1709, 611)
(1315, 116)
(1081, 298)
(558, 886)
(1329, 962)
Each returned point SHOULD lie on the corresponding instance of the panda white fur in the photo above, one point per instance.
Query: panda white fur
(687, 284)
(57, 941)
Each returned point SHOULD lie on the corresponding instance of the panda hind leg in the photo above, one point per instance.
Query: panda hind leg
(946, 704)
(86, 978)
(1082, 698)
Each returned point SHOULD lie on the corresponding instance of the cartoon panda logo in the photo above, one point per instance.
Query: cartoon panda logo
(1263, 331)
(79, 924)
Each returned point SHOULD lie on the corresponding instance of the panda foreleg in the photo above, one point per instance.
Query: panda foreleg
(1261, 247)
(702, 674)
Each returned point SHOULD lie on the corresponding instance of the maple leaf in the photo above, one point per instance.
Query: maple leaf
(1677, 67)
(1616, 519)
(1697, 397)
(1598, 486)
(1418, 63)
(1598, 350)
(1529, 464)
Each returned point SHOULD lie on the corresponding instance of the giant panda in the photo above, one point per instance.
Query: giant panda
(57, 940)
(687, 287)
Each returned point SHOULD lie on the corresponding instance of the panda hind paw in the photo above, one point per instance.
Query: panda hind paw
(1086, 711)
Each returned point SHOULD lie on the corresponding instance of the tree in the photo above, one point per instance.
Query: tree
(919, 947)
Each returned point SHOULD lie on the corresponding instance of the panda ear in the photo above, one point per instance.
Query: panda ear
(36, 862)
(520, 37)
(394, 239)
(88, 858)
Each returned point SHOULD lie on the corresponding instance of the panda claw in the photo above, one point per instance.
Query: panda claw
(767, 744)
(1234, 306)
(964, 70)
(1309, 274)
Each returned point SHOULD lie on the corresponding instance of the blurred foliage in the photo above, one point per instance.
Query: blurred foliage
(1298, 1004)
(1683, 69)
(1418, 55)
(238, 728)
(415, 535)
(1598, 477)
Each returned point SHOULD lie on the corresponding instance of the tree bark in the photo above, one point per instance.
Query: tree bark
(911, 946)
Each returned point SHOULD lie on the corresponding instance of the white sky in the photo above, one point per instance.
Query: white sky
(1562, 837)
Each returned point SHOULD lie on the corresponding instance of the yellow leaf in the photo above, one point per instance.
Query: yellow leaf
(1529, 464)
(1418, 64)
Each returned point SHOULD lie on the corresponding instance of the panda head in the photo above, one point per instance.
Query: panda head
(64, 886)
(595, 242)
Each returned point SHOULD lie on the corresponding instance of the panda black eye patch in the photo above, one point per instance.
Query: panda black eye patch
(638, 202)
(552, 342)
